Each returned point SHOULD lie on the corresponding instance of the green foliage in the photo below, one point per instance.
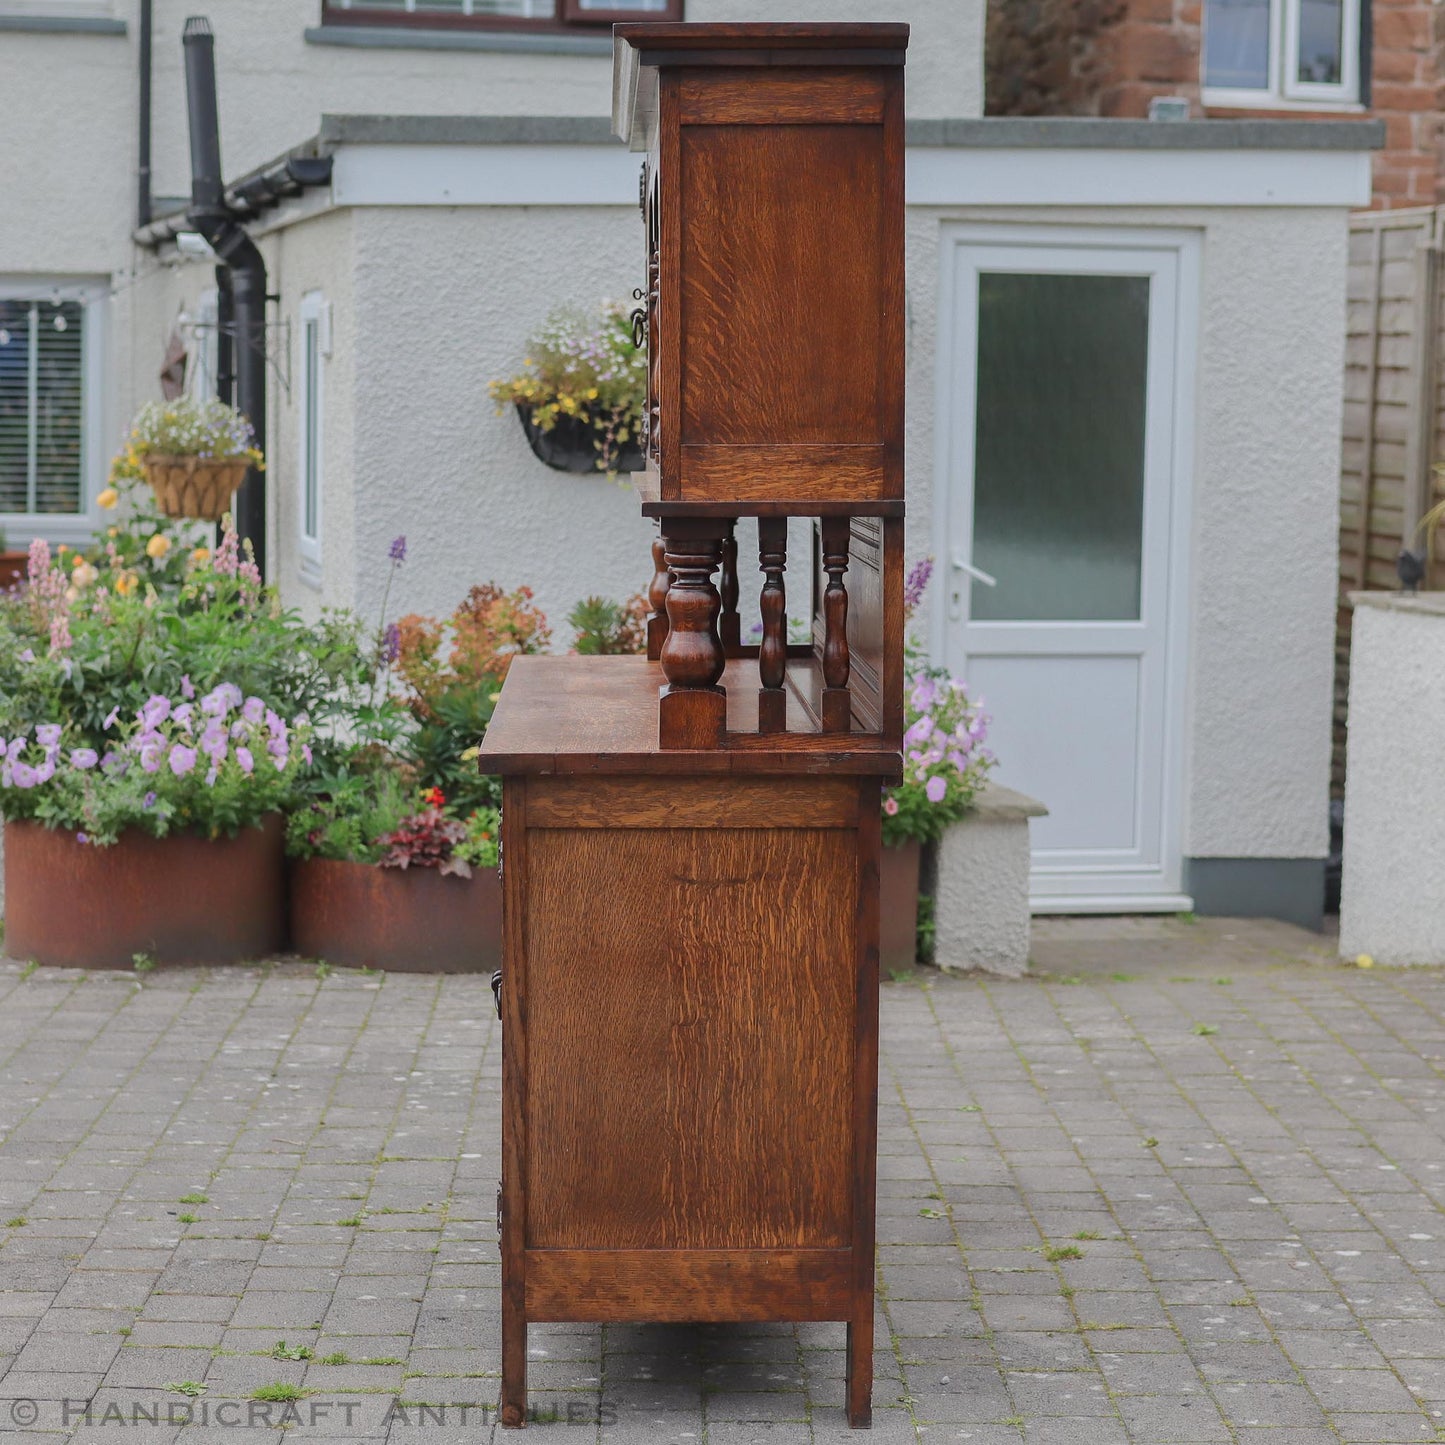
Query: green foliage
(348, 820)
(604, 627)
(278, 1392)
(282, 1351)
(441, 748)
(482, 846)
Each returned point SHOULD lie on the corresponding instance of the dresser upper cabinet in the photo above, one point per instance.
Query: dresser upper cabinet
(773, 195)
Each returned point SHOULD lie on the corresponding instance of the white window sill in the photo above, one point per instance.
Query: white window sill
(309, 571)
(49, 24)
(1268, 100)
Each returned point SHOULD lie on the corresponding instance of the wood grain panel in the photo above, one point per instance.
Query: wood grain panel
(693, 803)
(781, 284)
(763, 97)
(808, 473)
(689, 1285)
(691, 998)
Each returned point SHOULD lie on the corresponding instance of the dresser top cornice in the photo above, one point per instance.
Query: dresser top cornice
(641, 49)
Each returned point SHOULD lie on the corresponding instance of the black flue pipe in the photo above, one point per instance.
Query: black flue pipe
(245, 267)
(143, 204)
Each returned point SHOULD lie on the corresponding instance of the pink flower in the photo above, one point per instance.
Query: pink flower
(920, 732)
(23, 775)
(247, 762)
(188, 688)
(182, 760)
(83, 758)
(890, 806)
(934, 789)
(47, 734)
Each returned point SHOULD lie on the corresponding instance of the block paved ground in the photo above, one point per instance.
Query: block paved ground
(1182, 1186)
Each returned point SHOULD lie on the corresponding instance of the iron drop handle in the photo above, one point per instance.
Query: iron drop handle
(497, 990)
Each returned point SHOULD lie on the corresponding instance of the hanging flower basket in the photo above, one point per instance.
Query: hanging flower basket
(194, 454)
(198, 487)
(575, 444)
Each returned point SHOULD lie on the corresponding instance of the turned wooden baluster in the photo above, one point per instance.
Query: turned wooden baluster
(692, 708)
(837, 701)
(657, 598)
(729, 624)
(773, 604)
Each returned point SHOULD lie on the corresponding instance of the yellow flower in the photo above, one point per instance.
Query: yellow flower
(592, 394)
(78, 560)
(62, 549)
(1364, 961)
(108, 498)
(112, 531)
(84, 574)
(201, 556)
(158, 546)
(126, 583)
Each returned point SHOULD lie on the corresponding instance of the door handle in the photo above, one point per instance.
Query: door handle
(977, 573)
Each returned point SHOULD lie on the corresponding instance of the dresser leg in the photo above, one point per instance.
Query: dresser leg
(514, 1363)
(860, 1371)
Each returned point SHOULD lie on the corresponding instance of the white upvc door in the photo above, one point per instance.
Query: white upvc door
(1064, 407)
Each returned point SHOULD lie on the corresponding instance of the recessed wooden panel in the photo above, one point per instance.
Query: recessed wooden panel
(781, 284)
(691, 1010)
(750, 473)
(845, 96)
(693, 803)
(690, 1285)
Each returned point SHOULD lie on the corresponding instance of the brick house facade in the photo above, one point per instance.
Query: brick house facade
(1112, 57)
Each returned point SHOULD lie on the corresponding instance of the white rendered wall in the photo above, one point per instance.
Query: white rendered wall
(1269, 368)
(1392, 905)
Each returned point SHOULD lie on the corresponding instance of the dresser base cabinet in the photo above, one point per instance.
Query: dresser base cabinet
(690, 1045)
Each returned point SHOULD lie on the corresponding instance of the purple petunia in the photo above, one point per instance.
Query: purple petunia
(182, 759)
(244, 758)
(149, 801)
(253, 709)
(156, 710)
(188, 688)
(110, 718)
(83, 758)
(934, 789)
(48, 734)
(397, 552)
(23, 775)
(920, 732)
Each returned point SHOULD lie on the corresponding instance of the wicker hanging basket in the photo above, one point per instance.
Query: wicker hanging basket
(191, 486)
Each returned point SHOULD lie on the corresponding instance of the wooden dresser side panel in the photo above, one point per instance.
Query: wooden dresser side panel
(691, 1008)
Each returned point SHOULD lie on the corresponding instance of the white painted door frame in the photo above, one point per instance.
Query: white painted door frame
(1150, 879)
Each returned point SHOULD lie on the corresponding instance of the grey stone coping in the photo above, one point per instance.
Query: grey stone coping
(338, 130)
(1092, 133)
(996, 133)
(64, 24)
(1424, 604)
(397, 37)
(997, 804)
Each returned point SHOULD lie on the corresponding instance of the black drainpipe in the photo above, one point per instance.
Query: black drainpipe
(245, 268)
(143, 169)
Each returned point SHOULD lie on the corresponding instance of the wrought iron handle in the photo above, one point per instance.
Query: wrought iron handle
(497, 990)
(639, 318)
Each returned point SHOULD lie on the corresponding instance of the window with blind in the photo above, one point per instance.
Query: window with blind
(497, 14)
(42, 406)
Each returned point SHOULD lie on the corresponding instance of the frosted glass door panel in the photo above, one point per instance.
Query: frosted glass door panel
(1059, 464)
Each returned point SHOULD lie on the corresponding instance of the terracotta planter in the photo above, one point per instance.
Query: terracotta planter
(411, 920)
(198, 487)
(898, 885)
(571, 445)
(14, 568)
(180, 899)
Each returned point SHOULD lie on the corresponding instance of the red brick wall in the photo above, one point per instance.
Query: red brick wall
(1111, 57)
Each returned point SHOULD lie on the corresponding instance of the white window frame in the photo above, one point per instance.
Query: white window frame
(1283, 92)
(315, 324)
(78, 526)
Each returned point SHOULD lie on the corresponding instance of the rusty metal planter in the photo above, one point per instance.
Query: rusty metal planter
(14, 568)
(412, 920)
(181, 899)
(898, 887)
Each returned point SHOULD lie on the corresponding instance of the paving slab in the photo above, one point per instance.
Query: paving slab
(1182, 1182)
